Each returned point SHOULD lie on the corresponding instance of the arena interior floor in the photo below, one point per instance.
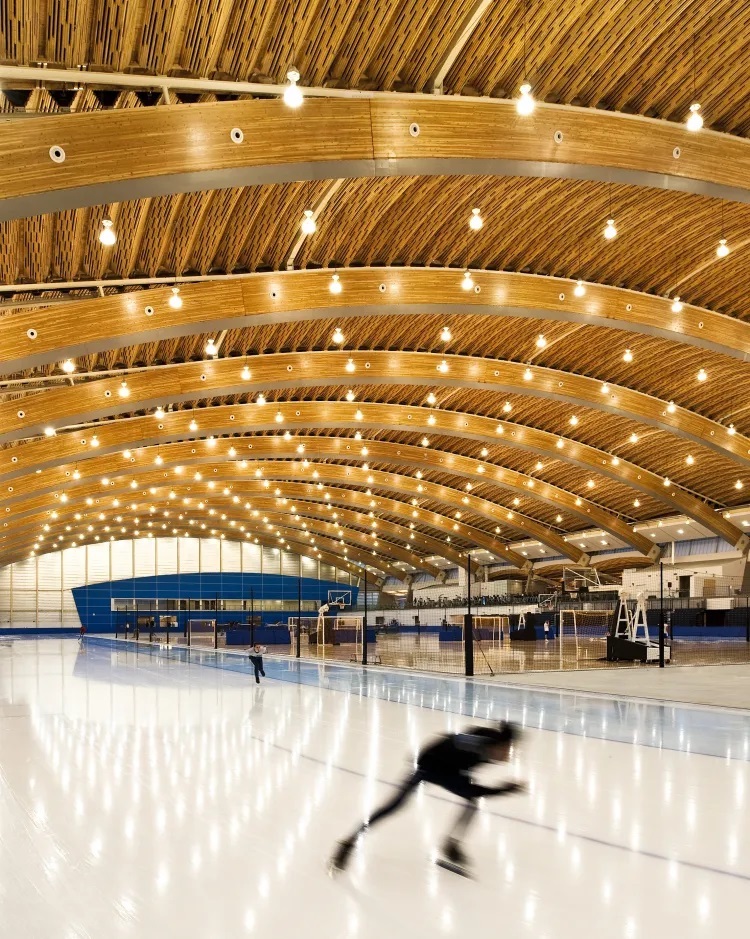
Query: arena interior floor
(146, 792)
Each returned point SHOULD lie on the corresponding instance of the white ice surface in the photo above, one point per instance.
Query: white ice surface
(143, 796)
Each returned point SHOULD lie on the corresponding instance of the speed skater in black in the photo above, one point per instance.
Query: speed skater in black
(447, 763)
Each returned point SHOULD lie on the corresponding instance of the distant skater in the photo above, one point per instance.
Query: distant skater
(81, 634)
(256, 657)
(448, 764)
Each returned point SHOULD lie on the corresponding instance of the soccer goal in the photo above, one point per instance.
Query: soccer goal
(493, 629)
(583, 633)
(202, 632)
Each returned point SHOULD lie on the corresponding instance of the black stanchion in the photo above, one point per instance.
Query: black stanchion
(661, 614)
(216, 624)
(468, 625)
(252, 617)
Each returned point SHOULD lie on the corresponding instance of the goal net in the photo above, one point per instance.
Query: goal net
(585, 632)
(492, 629)
(202, 632)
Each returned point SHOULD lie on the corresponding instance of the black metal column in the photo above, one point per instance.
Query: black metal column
(661, 614)
(364, 626)
(252, 617)
(299, 614)
(468, 625)
(216, 624)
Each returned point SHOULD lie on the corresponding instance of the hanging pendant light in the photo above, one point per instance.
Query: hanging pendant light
(525, 103)
(108, 235)
(308, 226)
(476, 221)
(293, 97)
(175, 301)
(467, 283)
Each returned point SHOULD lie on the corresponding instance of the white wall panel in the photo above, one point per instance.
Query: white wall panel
(271, 561)
(49, 570)
(67, 599)
(50, 600)
(327, 571)
(166, 556)
(5, 574)
(231, 556)
(250, 558)
(74, 567)
(23, 618)
(98, 563)
(309, 567)
(122, 559)
(145, 557)
(210, 554)
(49, 619)
(24, 600)
(24, 575)
(188, 556)
(289, 564)
(4, 617)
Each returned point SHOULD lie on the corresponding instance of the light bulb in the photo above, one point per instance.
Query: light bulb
(358, 416)
(689, 459)
(702, 375)
(159, 413)
(175, 301)
(671, 407)
(193, 425)
(335, 285)
(261, 399)
(560, 443)
(308, 225)
(627, 356)
(667, 481)
(124, 391)
(722, 249)
(739, 484)
(245, 373)
(610, 231)
(159, 459)
(573, 420)
(94, 441)
(443, 366)
(634, 438)
(292, 93)
(350, 366)
(528, 375)
(279, 417)
(49, 431)
(637, 503)
(541, 342)
(695, 118)
(604, 389)
(350, 396)
(467, 283)
(68, 366)
(107, 235)
(337, 337)
(445, 334)
(431, 399)
(731, 430)
(580, 289)
(507, 407)
(211, 348)
(677, 305)
(525, 104)
(425, 441)
(431, 420)
(476, 221)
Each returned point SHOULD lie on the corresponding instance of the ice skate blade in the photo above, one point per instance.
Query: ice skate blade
(453, 868)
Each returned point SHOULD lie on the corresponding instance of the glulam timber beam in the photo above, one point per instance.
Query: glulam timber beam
(67, 161)
(43, 336)
(179, 457)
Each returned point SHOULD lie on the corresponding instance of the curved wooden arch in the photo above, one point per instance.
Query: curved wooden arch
(60, 407)
(326, 414)
(285, 471)
(299, 296)
(112, 156)
(385, 557)
(21, 552)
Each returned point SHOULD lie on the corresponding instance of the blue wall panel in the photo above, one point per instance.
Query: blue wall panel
(94, 602)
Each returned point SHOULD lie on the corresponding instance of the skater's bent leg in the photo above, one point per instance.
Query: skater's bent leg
(463, 821)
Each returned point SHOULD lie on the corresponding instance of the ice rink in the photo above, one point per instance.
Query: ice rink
(154, 794)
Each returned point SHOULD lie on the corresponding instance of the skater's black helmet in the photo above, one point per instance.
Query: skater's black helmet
(502, 733)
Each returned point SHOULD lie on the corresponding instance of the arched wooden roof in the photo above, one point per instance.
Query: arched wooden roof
(546, 411)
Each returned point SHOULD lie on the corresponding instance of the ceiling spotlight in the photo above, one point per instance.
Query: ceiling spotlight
(107, 235)
(175, 301)
(292, 93)
(94, 441)
(560, 443)
(350, 396)
(722, 249)
(126, 454)
(358, 415)
(525, 104)
(211, 348)
(193, 425)
(124, 391)
(677, 305)
(159, 413)
(445, 334)
(279, 417)
(49, 431)
(731, 430)
(467, 283)
(541, 342)
(666, 481)
(637, 503)
(68, 366)
(425, 441)
(702, 375)
(634, 438)
(671, 407)
(694, 121)
(476, 221)
(245, 373)
(573, 420)
(308, 226)
(580, 289)
(335, 285)
(261, 399)
(627, 356)
(528, 375)
(689, 459)
(604, 389)
(431, 399)
(337, 337)
(350, 366)
(610, 231)
(159, 459)
(443, 366)
(431, 420)
(739, 484)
